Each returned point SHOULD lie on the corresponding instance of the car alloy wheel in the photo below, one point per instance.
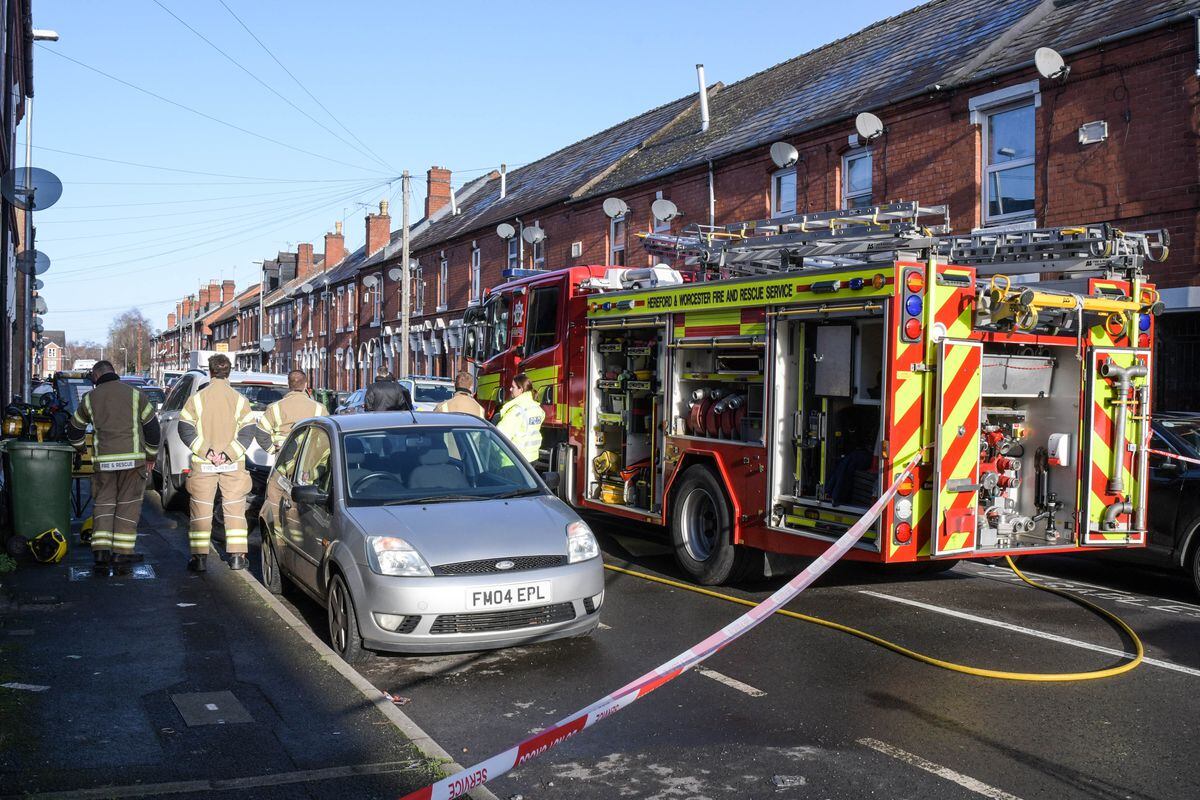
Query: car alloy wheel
(343, 625)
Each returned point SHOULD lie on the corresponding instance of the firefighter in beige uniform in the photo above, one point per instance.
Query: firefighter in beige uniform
(281, 416)
(463, 401)
(216, 424)
(125, 436)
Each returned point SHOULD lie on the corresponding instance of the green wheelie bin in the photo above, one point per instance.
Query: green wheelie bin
(38, 477)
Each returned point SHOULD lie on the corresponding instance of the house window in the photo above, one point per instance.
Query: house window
(783, 193)
(856, 179)
(476, 274)
(616, 242)
(351, 308)
(539, 249)
(514, 253)
(1006, 119)
(377, 300)
(298, 317)
(443, 284)
(311, 302)
(659, 225)
(418, 289)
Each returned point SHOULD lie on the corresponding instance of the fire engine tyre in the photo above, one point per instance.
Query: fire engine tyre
(702, 532)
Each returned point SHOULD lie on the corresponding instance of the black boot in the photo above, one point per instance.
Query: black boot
(198, 563)
(101, 560)
(238, 561)
(122, 563)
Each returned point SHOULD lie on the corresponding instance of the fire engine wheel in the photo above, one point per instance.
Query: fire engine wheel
(702, 531)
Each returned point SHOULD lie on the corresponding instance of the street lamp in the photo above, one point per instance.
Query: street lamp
(126, 352)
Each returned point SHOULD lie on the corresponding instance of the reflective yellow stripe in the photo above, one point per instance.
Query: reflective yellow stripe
(137, 422)
(138, 456)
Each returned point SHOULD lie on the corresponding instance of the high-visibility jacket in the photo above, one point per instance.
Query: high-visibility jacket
(521, 421)
(217, 419)
(124, 427)
(281, 416)
(461, 403)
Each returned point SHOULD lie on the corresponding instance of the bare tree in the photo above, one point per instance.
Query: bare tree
(129, 341)
(75, 351)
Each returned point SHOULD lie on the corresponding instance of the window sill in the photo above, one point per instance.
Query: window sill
(441, 309)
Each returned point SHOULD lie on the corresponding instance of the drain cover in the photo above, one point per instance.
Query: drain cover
(210, 708)
(140, 572)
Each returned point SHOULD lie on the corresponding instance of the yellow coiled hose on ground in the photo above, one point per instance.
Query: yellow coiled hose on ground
(1139, 650)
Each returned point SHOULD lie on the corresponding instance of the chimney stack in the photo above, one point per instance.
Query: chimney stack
(304, 260)
(202, 298)
(214, 292)
(179, 315)
(379, 229)
(170, 320)
(335, 246)
(227, 291)
(437, 190)
(187, 306)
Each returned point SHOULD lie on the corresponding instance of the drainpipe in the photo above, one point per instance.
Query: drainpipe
(712, 196)
(703, 98)
(1122, 376)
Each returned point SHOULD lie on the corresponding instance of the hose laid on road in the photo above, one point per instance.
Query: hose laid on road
(982, 672)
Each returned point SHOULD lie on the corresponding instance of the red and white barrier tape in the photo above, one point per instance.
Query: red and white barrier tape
(463, 782)
(1174, 456)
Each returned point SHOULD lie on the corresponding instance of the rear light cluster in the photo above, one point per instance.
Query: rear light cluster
(903, 510)
(912, 306)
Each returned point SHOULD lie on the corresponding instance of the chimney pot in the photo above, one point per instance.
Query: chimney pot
(337, 228)
(383, 208)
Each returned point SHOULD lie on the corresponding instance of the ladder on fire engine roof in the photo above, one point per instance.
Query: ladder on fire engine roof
(862, 236)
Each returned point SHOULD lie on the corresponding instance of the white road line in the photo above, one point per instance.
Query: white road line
(1008, 626)
(965, 781)
(732, 683)
(1004, 572)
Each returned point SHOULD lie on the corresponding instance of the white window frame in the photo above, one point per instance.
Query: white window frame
(311, 304)
(660, 226)
(539, 249)
(377, 301)
(856, 155)
(443, 283)
(776, 209)
(514, 253)
(615, 246)
(981, 108)
(476, 274)
(418, 289)
(298, 327)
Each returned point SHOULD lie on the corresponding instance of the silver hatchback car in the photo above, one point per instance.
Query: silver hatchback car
(424, 533)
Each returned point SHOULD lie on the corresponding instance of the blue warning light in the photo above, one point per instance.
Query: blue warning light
(913, 306)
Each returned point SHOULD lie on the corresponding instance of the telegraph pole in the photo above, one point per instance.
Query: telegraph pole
(406, 280)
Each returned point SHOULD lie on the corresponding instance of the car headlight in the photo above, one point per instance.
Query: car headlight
(581, 543)
(391, 555)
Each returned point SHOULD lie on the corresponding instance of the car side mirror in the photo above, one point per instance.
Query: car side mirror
(552, 480)
(1169, 466)
(310, 495)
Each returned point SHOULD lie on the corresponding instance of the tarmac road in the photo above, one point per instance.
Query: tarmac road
(795, 710)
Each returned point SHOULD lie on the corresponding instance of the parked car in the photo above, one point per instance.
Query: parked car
(427, 391)
(154, 394)
(426, 535)
(260, 388)
(1174, 498)
(353, 403)
(135, 380)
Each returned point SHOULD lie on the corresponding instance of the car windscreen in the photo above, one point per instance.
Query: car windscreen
(154, 395)
(1186, 433)
(72, 390)
(432, 393)
(393, 466)
(260, 395)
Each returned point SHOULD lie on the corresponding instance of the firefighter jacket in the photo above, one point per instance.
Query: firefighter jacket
(281, 416)
(461, 403)
(124, 428)
(215, 420)
(521, 421)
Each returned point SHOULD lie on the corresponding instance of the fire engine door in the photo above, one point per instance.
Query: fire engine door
(956, 457)
(1114, 472)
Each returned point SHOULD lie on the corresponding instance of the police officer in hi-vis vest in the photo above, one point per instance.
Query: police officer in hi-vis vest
(216, 424)
(125, 439)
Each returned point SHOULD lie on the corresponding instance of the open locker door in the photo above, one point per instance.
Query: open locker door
(956, 466)
(1107, 483)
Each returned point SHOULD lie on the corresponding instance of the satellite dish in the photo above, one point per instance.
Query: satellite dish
(267, 344)
(394, 274)
(307, 288)
(615, 207)
(784, 155)
(664, 210)
(39, 305)
(32, 262)
(18, 182)
(369, 281)
(1050, 64)
(38, 326)
(38, 285)
(869, 126)
(505, 231)
(533, 234)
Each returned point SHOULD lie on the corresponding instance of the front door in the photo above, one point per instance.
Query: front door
(314, 469)
(956, 460)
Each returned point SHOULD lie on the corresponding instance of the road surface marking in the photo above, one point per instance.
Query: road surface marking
(965, 781)
(1122, 596)
(732, 683)
(1008, 626)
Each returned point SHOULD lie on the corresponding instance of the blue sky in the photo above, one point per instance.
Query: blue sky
(466, 85)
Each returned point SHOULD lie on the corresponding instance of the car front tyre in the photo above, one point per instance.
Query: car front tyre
(1195, 564)
(172, 497)
(344, 637)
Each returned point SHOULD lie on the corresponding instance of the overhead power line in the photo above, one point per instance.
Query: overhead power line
(202, 114)
(311, 96)
(267, 86)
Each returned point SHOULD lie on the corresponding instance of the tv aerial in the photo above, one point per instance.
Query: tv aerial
(664, 210)
(533, 234)
(869, 126)
(505, 231)
(615, 207)
(32, 262)
(31, 187)
(784, 155)
(1050, 65)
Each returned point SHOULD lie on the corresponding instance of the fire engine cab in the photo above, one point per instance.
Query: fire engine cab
(756, 397)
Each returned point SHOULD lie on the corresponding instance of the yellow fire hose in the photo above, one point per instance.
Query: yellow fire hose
(1139, 650)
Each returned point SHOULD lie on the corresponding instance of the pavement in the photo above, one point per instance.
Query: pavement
(168, 683)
